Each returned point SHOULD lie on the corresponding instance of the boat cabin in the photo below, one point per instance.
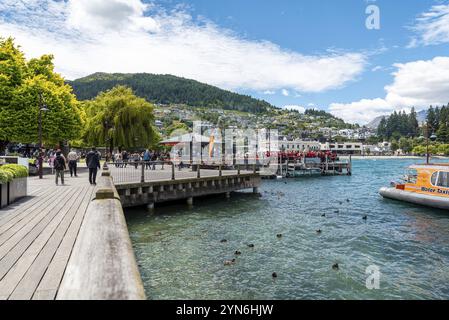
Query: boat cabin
(429, 179)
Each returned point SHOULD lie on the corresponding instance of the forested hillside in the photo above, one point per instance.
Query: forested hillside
(168, 89)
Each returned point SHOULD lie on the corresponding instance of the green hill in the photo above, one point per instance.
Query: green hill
(168, 89)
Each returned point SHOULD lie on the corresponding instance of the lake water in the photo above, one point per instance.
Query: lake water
(180, 254)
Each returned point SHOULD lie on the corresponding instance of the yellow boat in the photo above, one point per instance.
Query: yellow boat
(426, 184)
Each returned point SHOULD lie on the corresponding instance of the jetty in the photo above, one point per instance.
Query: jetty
(72, 241)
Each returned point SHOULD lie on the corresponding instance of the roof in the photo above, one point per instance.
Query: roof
(188, 137)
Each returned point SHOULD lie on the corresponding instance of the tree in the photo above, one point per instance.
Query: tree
(432, 119)
(382, 128)
(21, 85)
(119, 118)
(405, 144)
(443, 126)
(413, 125)
(394, 145)
(176, 125)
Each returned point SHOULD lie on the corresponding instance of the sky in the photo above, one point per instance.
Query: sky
(294, 54)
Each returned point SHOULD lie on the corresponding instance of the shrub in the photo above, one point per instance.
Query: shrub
(5, 176)
(17, 171)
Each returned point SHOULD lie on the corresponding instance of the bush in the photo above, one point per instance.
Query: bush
(17, 171)
(5, 176)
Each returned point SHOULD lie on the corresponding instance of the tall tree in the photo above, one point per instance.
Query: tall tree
(21, 86)
(382, 128)
(413, 125)
(432, 119)
(119, 118)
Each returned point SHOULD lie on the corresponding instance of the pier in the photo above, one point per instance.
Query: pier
(72, 242)
(138, 185)
(293, 167)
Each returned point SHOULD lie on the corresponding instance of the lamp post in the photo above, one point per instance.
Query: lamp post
(42, 108)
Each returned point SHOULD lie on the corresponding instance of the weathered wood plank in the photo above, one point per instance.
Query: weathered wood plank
(27, 235)
(20, 226)
(21, 267)
(20, 206)
(28, 284)
(49, 285)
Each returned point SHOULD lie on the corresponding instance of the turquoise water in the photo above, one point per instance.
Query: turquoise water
(180, 254)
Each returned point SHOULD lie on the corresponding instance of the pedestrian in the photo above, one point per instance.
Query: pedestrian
(59, 164)
(72, 157)
(147, 158)
(125, 157)
(93, 163)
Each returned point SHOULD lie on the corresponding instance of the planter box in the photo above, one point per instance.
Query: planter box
(17, 189)
(3, 195)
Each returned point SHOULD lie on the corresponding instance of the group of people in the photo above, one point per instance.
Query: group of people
(60, 164)
(123, 158)
(296, 155)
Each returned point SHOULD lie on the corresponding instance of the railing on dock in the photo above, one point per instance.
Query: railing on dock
(147, 171)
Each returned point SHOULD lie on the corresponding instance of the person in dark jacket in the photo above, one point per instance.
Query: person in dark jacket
(59, 165)
(93, 163)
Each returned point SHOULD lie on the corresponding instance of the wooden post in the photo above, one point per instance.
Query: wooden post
(255, 169)
(142, 175)
(238, 169)
(173, 171)
(198, 171)
(350, 165)
(219, 170)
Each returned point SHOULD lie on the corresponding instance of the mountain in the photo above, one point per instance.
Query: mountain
(168, 89)
(373, 124)
(420, 116)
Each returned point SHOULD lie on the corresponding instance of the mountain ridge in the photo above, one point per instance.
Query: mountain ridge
(168, 89)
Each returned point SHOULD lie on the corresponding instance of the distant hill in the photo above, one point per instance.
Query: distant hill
(168, 89)
(421, 117)
(373, 124)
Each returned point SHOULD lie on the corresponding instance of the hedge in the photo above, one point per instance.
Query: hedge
(8, 172)
(5, 176)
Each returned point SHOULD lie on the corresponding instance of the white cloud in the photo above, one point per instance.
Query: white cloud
(416, 84)
(269, 92)
(376, 68)
(129, 36)
(285, 92)
(100, 15)
(432, 27)
(300, 109)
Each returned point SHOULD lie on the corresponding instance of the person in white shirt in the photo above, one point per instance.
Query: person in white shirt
(72, 157)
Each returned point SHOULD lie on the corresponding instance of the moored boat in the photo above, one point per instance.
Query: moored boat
(426, 184)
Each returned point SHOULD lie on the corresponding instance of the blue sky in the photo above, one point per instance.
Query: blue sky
(293, 53)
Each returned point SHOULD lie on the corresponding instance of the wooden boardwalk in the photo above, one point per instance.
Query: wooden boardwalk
(41, 233)
(37, 235)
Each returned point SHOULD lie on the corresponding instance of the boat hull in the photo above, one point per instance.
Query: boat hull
(416, 198)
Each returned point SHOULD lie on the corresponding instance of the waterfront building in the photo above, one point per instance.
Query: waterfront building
(354, 148)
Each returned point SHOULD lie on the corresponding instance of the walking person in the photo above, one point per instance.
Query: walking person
(93, 163)
(73, 157)
(59, 164)
(147, 158)
(125, 157)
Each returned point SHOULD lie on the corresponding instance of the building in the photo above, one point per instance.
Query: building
(299, 146)
(343, 148)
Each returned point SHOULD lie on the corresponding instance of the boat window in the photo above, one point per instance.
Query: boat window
(433, 179)
(411, 176)
(443, 179)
